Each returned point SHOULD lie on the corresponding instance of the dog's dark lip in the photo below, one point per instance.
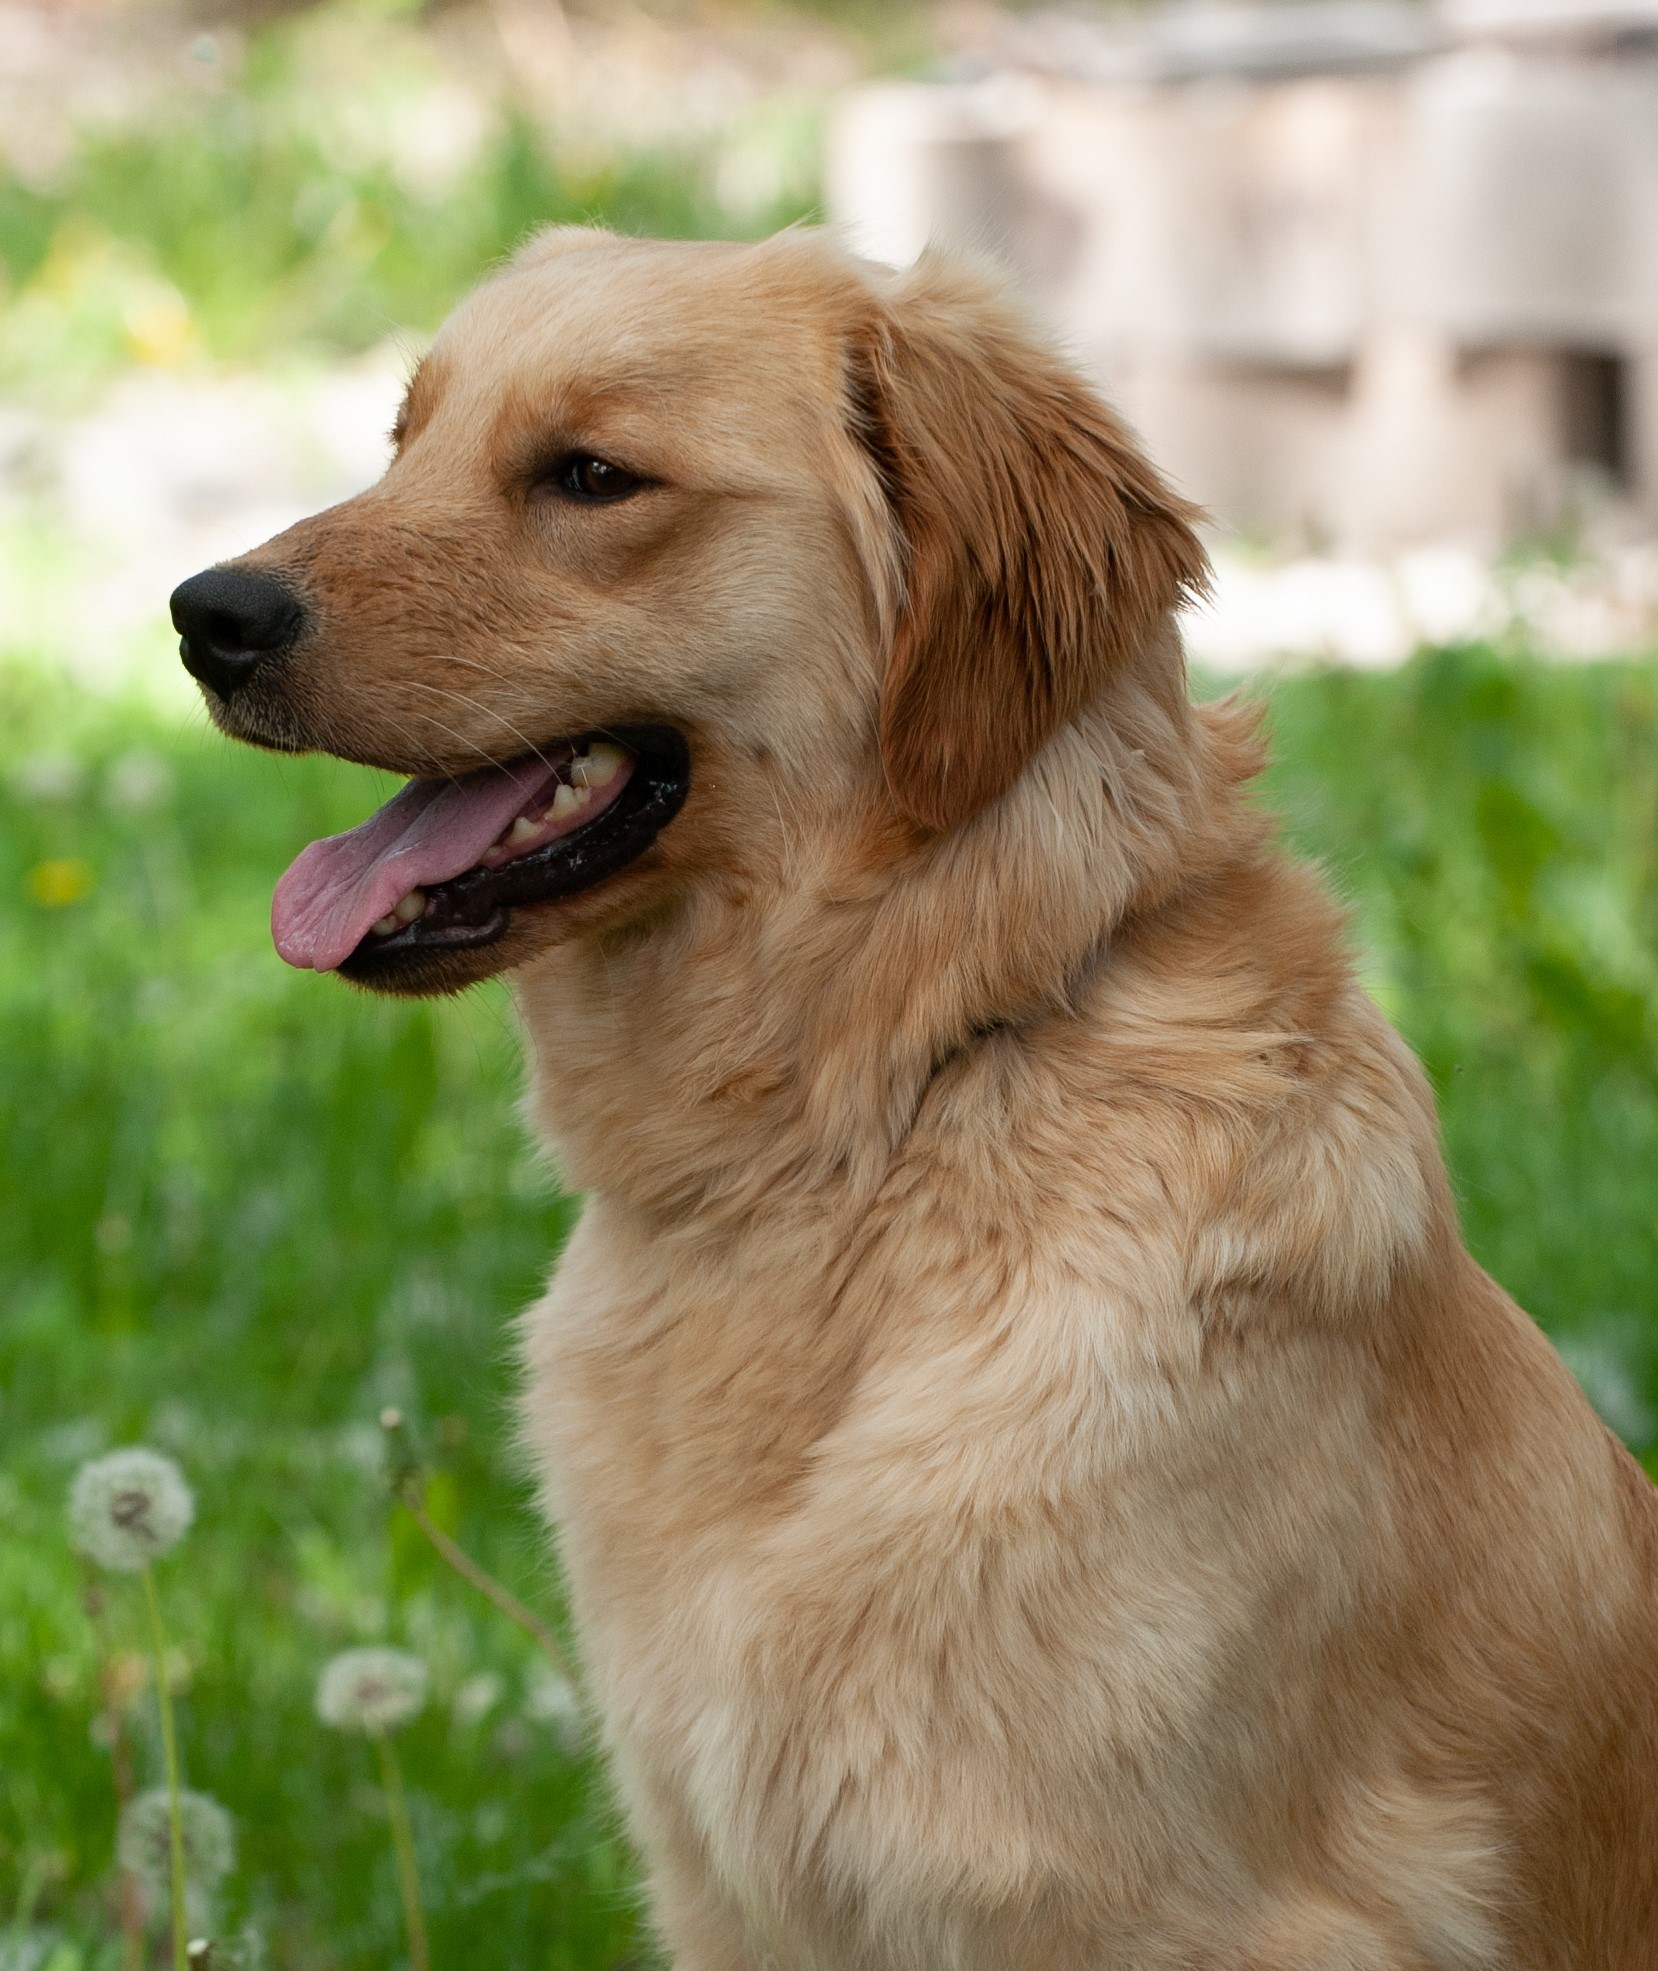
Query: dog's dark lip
(475, 908)
(249, 732)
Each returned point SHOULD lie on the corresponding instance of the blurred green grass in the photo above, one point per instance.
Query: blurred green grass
(241, 1218)
(246, 1208)
(329, 183)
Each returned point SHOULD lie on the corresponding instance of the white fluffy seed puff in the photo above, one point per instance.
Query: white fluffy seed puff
(371, 1690)
(128, 1508)
(143, 1845)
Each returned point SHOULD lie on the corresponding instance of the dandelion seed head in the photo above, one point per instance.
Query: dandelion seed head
(477, 1697)
(143, 1843)
(27, 1947)
(371, 1690)
(138, 781)
(129, 1507)
(49, 776)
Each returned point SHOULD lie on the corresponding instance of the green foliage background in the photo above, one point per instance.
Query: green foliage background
(273, 212)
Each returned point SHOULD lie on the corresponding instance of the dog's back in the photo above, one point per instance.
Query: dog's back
(1137, 1535)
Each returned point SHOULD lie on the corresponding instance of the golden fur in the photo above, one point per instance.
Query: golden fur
(1041, 1483)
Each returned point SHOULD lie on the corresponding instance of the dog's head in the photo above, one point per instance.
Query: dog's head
(679, 539)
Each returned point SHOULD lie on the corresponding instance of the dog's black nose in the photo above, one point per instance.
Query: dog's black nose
(229, 622)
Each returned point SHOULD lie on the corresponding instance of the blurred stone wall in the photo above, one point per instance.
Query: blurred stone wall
(1363, 273)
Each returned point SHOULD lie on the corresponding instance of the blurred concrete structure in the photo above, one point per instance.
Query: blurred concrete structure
(1362, 271)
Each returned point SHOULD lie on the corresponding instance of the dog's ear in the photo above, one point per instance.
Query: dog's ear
(1039, 546)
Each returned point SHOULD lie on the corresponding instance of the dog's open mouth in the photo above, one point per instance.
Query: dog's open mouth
(444, 863)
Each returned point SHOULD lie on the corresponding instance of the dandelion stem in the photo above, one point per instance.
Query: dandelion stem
(169, 1747)
(408, 1875)
(120, 1757)
(486, 1584)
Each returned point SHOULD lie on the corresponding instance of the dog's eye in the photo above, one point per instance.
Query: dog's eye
(593, 480)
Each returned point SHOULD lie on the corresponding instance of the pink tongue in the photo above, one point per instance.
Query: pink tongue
(336, 890)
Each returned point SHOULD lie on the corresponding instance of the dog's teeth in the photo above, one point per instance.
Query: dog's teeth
(600, 767)
(384, 926)
(412, 906)
(569, 800)
(523, 830)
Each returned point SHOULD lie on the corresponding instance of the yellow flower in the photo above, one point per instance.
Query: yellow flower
(158, 325)
(61, 880)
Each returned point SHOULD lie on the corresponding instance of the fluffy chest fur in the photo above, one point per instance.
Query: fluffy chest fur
(964, 1565)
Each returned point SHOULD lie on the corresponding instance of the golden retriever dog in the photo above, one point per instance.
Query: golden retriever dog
(1041, 1482)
